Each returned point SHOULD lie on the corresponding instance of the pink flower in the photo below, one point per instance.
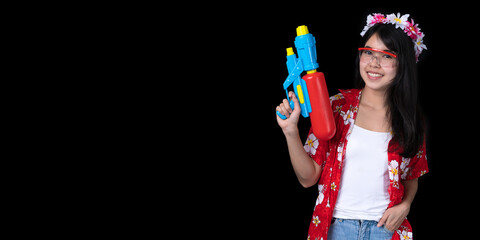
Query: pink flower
(413, 30)
(376, 18)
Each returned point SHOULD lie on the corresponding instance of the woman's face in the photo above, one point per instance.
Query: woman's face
(376, 76)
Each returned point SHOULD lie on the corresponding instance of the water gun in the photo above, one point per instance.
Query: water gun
(311, 90)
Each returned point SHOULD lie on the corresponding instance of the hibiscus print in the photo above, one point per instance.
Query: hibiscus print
(404, 168)
(393, 172)
(335, 97)
(420, 154)
(405, 235)
(311, 144)
(320, 194)
(316, 221)
(333, 186)
(340, 152)
(347, 116)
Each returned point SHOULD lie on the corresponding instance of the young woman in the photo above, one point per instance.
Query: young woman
(367, 174)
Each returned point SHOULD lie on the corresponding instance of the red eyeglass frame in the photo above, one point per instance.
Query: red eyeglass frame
(378, 50)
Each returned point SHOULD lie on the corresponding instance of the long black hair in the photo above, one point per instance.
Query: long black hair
(404, 112)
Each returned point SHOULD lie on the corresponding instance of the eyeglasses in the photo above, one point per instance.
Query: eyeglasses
(384, 58)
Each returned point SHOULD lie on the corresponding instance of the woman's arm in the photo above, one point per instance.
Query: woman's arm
(410, 187)
(306, 169)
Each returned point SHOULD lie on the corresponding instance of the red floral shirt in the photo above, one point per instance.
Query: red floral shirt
(330, 155)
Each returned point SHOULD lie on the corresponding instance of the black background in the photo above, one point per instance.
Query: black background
(239, 168)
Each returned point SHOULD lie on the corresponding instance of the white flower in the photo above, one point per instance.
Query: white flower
(405, 235)
(347, 116)
(333, 186)
(419, 46)
(393, 172)
(320, 194)
(398, 20)
(340, 152)
(365, 29)
(316, 221)
(311, 144)
(404, 168)
(419, 154)
(404, 164)
(336, 97)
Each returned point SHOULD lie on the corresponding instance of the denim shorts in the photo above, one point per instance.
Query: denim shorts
(357, 229)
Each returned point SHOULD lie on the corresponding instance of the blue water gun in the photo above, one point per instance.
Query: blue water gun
(305, 44)
(311, 90)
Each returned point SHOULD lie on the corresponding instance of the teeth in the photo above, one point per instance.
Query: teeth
(374, 74)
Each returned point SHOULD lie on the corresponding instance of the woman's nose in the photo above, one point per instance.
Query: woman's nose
(374, 62)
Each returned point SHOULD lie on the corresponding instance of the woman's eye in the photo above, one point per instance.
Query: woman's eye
(368, 52)
(387, 56)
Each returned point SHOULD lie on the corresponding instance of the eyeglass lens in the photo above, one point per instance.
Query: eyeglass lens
(385, 60)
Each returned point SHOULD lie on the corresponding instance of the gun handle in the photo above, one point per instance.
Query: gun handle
(283, 116)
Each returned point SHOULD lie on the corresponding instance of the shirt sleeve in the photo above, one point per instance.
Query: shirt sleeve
(416, 166)
(316, 149)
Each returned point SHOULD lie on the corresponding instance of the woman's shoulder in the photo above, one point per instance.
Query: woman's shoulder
(343, 96)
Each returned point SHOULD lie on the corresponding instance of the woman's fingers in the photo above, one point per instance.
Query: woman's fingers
(283, 110)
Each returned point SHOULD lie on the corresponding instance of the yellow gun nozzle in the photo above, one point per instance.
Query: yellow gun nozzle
(302, 30)
(289, 51)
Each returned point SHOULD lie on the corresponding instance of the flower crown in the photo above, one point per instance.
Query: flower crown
(410, 28)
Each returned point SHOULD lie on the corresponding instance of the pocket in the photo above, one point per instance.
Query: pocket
(386, 230)
(336, 220)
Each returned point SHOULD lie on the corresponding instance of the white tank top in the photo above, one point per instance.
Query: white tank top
(363, 192)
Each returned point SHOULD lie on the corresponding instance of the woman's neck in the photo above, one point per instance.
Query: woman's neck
(374, 99)
(373, 111)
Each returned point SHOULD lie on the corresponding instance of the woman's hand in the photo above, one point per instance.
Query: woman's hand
(394, 216)
(289, 125)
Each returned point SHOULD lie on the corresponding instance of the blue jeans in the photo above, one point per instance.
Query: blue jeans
(357, 230)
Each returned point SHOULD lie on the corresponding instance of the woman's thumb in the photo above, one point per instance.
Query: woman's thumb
(295, 102)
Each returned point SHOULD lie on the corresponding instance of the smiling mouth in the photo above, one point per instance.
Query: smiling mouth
(375, 75)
